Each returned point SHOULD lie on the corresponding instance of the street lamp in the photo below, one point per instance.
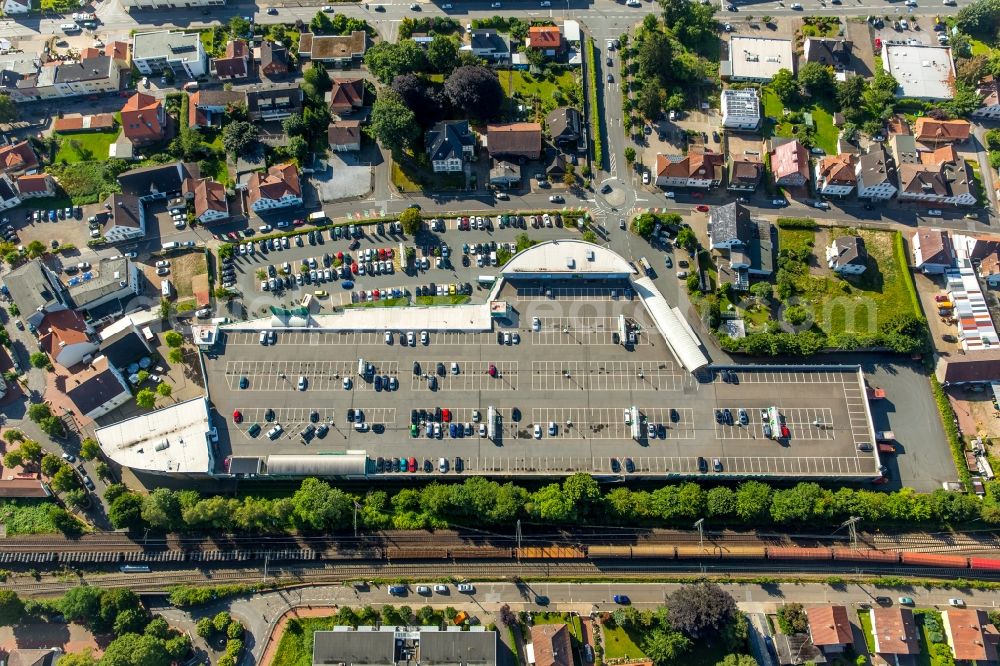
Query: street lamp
(700, 526)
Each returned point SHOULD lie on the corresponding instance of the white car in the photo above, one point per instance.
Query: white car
(796, 5)
(388, 338)
(302, 383)
(671, 195)
(482, 430)
(957, 603)
(424, 338)
(934, 212)
(164, 271)
(538, 431)
(627, 415)
(645, 178)
(423, 590)
(409, 338)
(162, 263)
(328, 9)
(441, 589)
(347, 383)
(536, 324)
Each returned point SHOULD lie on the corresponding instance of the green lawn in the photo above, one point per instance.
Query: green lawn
(618, 644)
(529, 85)
(26, 517)
(795, 239)
(826, 133)
(384, 303)
(866, 628)
(85, 146)
(453, 299)
(978, 47)
(925, 658)
(408, 178)
(295, 648)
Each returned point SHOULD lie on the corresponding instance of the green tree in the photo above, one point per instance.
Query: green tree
(630, 154)
(392, 122)
(176, 356)
(687, 239)
(720, 502)
(65, 479)
(387, 60)
(8, 110)
(81, 604)
(293, 126)
(40, 360)
(239, 27)
(742, 660)
(11, 608)
(103, 471)
(321, 24)
(317, 80)
(204, 627)
(85, 658)
(411, 220)
(442, 54)
(317, 506)
(785, 86)
(157, 628)
(36, 249)
(792, 619)
(39, 411)
(981, 19)
(701, 611)
(298, 149)
(239, 138)
(125, 512)
(145, 398)
(817, 79)
(221, 620)
(89, 448)
(129, 621)
(161, 509)
(31, 450)
(164, 389)
(135, 650)
(753, 500)
(52, 426)
(665, 647)
(13, 459)
(643, 225)
(173, 339)
(965, 100)
(51, 464)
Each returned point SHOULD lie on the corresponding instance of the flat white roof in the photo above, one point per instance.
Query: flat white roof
(566, 257)
(759, 57)
(922, 71)
(468, 318)
(679, 335)
(173, 439)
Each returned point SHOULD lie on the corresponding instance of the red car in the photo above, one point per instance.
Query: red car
(697, 195)
(411, 464)
(298, 222)
(702, 208)
(237, 417)
(375, 294)
(493, 370)
(784, 431)
(354, 268)
(340, 255)
(381, 253)
(882, 480)
(940, 298)
(232, 236)
(446, 415)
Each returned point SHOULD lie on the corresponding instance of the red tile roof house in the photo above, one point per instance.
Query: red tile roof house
(695, 169)
(930, 130)
(65, 337)
(278, 188)
(144, 120)
(546, 38)
(210, 204)
(18, 158)
(344, 135)
(514, 140)
(36, 185)
(971, 636)
(551, 645)
(236, 64)
(830, 628)
(346, 96)
(932, 251)
(790, 164)
(895, 633)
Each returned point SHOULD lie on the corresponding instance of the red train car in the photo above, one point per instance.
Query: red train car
(866, 555)
(797, 553)
(935, 560)
(984, 563)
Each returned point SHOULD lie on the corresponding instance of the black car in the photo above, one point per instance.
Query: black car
(414, 416)
(616, 466)
(468, 288)
(385, 382)
(428, 467)
(269, 415)
(499, 337)
(459, 465)
(322, 430)
(314, 416)
(515, 414)
(661, 431)
(542, 600)
(629, 465)
(424, 416)
(702, 465)
(378, 382)
(395, 465)
(308, 433)
(733, 377)
(350, 415)
(440, 369)
(728, 416)
(465, 261)
(719, 418)
(437, 414)
(674, 416)
(416, 368)
(883, 601)
(380, 465)
(725, 375)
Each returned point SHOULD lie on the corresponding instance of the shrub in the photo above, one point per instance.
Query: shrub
(797, 223)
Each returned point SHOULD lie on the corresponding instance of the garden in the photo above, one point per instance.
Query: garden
(85, 146)
(815, 117)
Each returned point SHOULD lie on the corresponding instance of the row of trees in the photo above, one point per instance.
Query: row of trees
(140, 639)
(317, 506)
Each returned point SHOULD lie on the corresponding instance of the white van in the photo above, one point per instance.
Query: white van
(69, 28)
(172, 245)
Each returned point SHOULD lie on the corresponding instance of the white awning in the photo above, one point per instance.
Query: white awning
(680, 337)
(346, 464)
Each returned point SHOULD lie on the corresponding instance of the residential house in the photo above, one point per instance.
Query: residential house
(751, 244)
(744, 174)
(904, 149)
(123, 344)
(929, 130)
(126, 218)
(18, 158)
(895, 634)
(346, 96)
(971, 636)
(741, 109)
(344, 135)
(847, 255)
(236, 64)
(206, 108)
(144, 120)
(753, 58)
(32, 657)
(180, 52)
(113, 283)
(9, 197)
(876, 175)
(835, 175)
(565, 127)
(989, 90)
(95, 75)
(696, 169)
(74, 122)
(546, 38)
(939, 177)
(278, 188)
(120, 52)
(209, 199)
(514, 140)
(336, 50)
(273, 59)
(36, 185)
(505, 173)
(171, 4)
(551, 645)
(557, 165)
(36, 291)
(14, 7)
(487, 44)
(989, 269)
(273, 102)
(449, 145)
(835, 53)
(790, 164)
(98, 389)
(932, 251)
(157, 182)
(830, 628)
(65, 337)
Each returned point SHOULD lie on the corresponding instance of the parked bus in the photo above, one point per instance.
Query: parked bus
(491, 423)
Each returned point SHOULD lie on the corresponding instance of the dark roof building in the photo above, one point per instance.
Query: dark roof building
(564, 125)
(449, 140)
(834, 53)
(157, 182)
(98, 389)
(90, 69)
(124, 347)
(982, 367)
(514, 140)
(275, 102)
(730, 223)
(273, 59)
(388, 646)
(36, 291)
(744, 174)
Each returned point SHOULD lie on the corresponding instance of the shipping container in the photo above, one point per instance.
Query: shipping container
(698, 552)
(743, 552)
(796, 553)
(654, 550)
(866, 555)
(935, 560)
(551, 553)
(482, 553)
(984, 563)
(599, 552)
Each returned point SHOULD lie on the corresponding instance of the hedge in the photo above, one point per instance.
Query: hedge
(184, 596)
(899, 250)
(947, 415)
(797, 223)
(595, 113)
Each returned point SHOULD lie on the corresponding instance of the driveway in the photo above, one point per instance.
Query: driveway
(348, 176)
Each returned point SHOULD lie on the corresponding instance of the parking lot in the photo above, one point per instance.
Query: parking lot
(563, 408)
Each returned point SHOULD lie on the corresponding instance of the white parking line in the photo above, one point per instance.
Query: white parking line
(604, 376)
(471, 377)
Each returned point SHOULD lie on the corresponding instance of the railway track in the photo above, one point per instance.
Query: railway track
(479, 571)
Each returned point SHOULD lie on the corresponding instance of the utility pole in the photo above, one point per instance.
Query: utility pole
(517, 537)
(849, 524)
(267, 557)
(700, 526)
(356, 507)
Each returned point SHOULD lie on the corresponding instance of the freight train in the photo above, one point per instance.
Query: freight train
(595, 553)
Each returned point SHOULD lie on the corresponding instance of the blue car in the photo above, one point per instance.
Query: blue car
(52, 216)
(453, 430)
(622, 599)
(244, 382)
(378, 382)
(347, 284)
